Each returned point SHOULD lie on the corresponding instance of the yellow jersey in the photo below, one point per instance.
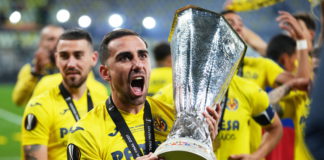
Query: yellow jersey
(97, 136)
(263, 72)
(245, 101)
(48, 120)
(52, 81)
(160, 77)
(295, 106)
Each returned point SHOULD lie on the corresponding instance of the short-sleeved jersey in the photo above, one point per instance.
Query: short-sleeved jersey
(295, 106)
(263, 72)
(48, 120)
(51, 81)
(245, 101)
(160, 77)
(97, 137)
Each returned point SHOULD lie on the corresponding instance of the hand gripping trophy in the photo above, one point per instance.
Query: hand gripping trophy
(206, 52)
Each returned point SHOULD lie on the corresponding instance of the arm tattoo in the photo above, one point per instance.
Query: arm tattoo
(276, 94)
(30, 151)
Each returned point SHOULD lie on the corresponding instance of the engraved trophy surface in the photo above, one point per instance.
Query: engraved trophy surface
(205, 55)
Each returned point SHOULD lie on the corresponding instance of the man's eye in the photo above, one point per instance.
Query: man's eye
(143, 55)
(125, 58)
(64, 56)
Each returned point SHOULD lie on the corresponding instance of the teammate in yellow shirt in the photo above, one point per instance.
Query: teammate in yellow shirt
(162, 74)
(43, 64)
(246, 102)
(129, 122)
(48, 118)
(282, 49)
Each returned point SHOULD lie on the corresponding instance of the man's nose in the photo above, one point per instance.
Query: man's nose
(138, 64)
(72, 62)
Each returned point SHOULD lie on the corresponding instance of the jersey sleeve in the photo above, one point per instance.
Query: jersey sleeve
(262, 112)
(25, 85)
(273, 70)
(82, 144)
(36, 122)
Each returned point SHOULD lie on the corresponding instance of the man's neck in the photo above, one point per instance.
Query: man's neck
(134, 109)
(76, 93)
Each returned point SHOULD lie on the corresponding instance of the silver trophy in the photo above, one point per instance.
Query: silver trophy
(206, 52)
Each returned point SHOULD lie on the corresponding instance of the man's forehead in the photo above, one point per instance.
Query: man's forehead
(126, 43)
(80, 43)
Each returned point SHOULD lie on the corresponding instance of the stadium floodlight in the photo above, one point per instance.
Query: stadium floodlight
(63, 15)
(149, 22)
(84, 21)
(15, 17)
(115, 20)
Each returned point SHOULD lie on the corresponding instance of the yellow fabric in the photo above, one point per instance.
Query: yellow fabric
(159, 78)
(25, 85)
(54, 120)
(245, 100)
(51, 81)
(247, 5)
(101, 141)
(295, 106)
(263, 72)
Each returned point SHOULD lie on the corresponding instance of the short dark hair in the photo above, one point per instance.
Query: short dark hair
(76, 34)
(307, 19)
(227, 12)
(103, 50)
(279, 45)
(161, 51)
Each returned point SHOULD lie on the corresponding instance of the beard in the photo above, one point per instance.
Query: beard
(74, 82)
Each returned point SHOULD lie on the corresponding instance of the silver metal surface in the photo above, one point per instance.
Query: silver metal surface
(205, 55)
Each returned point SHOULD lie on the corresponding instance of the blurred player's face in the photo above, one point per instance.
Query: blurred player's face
(75, 59)
(127, 69)
(235, 21)
(49, 37)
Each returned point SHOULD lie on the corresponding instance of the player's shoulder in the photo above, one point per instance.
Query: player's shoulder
(47, 97)
(158, 104)
(246, 87)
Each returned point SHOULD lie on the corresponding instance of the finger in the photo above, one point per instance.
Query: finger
(213, 113)
(212, 124)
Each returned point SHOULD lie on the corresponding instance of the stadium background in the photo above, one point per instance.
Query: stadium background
(19, 41)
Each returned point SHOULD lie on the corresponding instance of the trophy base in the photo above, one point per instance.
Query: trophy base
(184, 149)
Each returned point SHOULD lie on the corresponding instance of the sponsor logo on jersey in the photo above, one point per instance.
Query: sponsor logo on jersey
(160, 124)
(30, 122)
(230, 125)
(232, 104)
(250, 75)
(126, 153)
(226, 136)
(113, 133)
(65, 131)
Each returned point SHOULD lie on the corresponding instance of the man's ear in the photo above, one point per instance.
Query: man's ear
(104, 72)
(94, 58)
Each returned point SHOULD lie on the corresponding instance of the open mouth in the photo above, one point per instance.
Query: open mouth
(137, 85)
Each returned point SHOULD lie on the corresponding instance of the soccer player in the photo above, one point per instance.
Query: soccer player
(129, 122)
(246, 102)
(294, 105)
(43, 64)
(48, 118)
(162, 75)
